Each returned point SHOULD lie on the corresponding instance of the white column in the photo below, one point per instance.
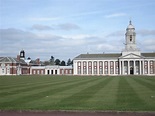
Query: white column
(123, 67)
(148, 67)
(128, 67)
(143, 67)
(114, 67)
(98, 68)
(75, 68)
(81, 67)
(134, 65)
(120, 69)
(108, 67)
(103, 67)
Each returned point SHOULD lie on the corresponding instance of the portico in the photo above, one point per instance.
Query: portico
(131, 67)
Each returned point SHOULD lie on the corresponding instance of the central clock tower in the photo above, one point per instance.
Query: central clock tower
(130, 41)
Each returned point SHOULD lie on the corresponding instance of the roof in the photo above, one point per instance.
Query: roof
(11, 60)
(130, 26)
(108, 56)
(98, 56)
(148, 54)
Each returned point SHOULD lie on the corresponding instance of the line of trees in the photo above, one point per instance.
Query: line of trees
(58, 62)
(63, 63)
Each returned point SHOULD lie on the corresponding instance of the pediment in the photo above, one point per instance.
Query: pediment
(131, 55)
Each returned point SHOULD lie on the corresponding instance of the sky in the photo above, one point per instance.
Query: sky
(67, 28)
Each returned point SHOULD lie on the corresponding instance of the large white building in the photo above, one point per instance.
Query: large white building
(129, 62)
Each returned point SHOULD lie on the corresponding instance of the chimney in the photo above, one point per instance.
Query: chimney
(18, 57)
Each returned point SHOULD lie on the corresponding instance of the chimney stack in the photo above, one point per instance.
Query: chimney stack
(18, 57)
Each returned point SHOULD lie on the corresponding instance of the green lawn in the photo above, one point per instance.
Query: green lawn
(132, 93)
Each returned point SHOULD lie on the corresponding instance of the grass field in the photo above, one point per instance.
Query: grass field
(133, 93)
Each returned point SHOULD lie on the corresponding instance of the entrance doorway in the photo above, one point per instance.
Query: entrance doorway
(131, 71)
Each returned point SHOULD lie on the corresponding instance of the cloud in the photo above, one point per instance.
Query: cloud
(41, 27)
(115, 15)
(148, 45)
(116, 34)
(145, 32)
(43, 45)
(15, 35)
(65, 26)
(37, 45)
(68, 26)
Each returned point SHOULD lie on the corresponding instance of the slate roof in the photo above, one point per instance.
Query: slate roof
(109, 56)
(11, 60)
(97, 56)
(148, 54)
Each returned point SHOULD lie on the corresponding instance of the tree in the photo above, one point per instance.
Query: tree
(57, 62)
(52, 60)
(63, 63)
(69, 62)
(46, 63)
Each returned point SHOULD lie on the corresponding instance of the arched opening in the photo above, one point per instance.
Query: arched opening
(131, 70)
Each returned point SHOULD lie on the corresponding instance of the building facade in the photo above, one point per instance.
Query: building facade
(129, 62)
(20, 66)
(13, 66)
(51, 70)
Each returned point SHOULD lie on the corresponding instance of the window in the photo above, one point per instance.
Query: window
(84, 70)
(42, 72)
(2, 65)
(70, 71)
(34, 72)
(79, 63)
(101, 67)
(79, 70)
(84, 63)
(95, 67)
(38, 71)
(84, 67)
(90, 63)
(101, 70)
(116, 67)
(130, 38)
(106, 67)
(95, 70)
(151, 67)
(90, 70)
(2, 70)
(111, 67)
(146, 67)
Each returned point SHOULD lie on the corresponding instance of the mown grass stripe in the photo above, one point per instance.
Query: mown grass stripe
(146, 94)
(19, 103)
(146, 84)
(79, 100)
(127, 98)
(150, 78)
(105, 99)
(28, 81)
(32, 87)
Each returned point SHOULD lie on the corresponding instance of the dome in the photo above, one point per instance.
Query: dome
(130, 26)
